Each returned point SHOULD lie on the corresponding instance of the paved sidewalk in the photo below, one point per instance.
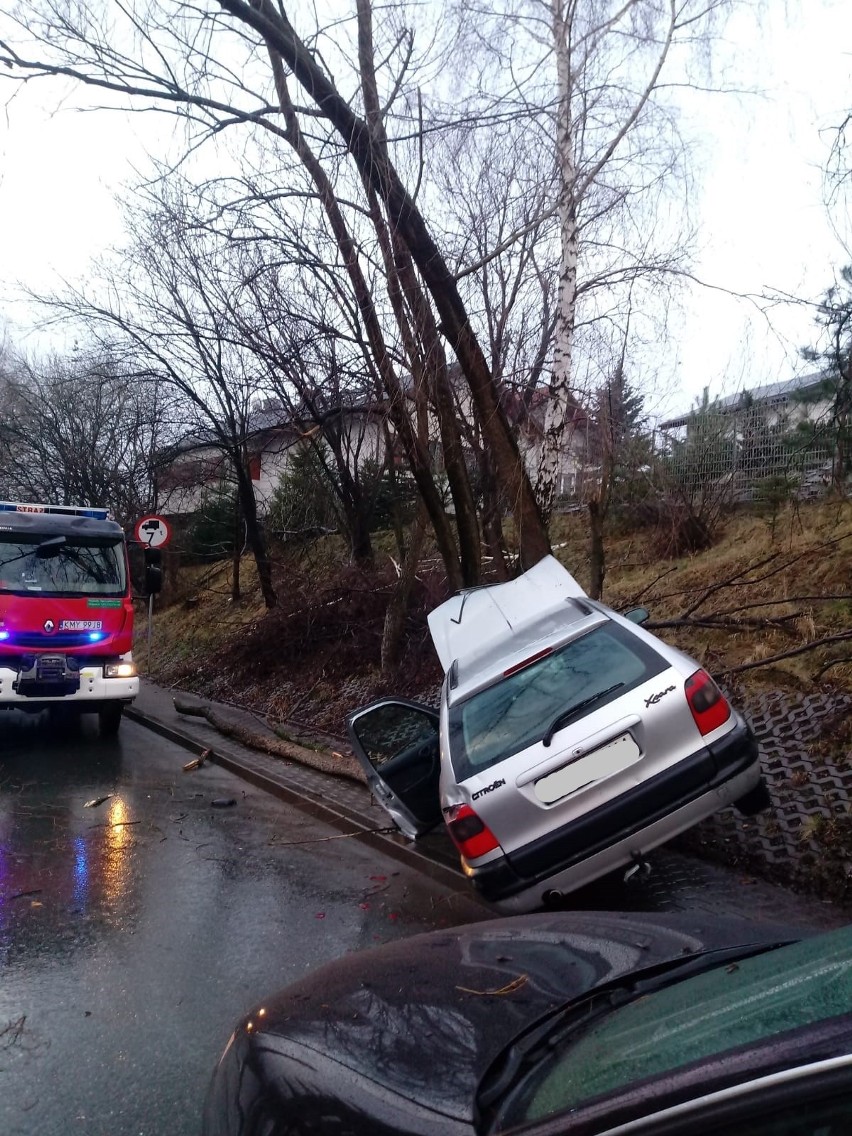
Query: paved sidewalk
(340, 801)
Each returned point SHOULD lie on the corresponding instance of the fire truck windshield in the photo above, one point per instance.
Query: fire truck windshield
(68, 567)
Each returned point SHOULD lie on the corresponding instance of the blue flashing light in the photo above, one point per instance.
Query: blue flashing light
(4, 635)
(96, 636)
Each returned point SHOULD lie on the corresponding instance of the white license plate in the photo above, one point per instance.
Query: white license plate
(80, 625)
(611, 758)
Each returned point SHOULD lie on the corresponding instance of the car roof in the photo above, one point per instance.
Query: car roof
(502, 619)
(47, 525)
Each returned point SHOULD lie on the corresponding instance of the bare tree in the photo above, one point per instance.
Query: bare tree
(595, 80)
(317, 378)
(502, 240)
(838, 180)
(609, 59)
(220, 89)
(414, 438)
(82, 429)
(168, 304)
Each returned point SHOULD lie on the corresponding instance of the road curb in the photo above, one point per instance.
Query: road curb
(339, 816)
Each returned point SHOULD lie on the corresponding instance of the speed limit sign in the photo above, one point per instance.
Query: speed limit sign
(153, 532)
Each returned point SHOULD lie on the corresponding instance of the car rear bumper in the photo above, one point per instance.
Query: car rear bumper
(94, 690)
(632, 824)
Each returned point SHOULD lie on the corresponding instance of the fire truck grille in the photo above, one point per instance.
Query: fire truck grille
(57, 641)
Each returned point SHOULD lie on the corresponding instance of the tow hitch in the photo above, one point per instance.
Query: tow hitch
(639, 866)
(48, 675)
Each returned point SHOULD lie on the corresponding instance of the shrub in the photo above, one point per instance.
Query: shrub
(210, 535)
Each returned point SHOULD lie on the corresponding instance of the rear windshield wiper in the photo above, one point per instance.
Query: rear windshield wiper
(569, 715)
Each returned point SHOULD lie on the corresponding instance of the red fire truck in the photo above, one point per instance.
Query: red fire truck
(66, 613)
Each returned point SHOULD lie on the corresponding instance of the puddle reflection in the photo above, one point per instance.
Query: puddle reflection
(67, 872)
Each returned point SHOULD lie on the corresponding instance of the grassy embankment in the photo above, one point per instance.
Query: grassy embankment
(766, 588)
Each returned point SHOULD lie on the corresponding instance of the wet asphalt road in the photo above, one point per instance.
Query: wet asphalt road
(135, 931)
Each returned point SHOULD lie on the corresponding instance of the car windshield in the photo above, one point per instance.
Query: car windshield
(69, 568)
(517, 710)
(691, 1020)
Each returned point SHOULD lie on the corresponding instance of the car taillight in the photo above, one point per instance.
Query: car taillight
(468, 833)
(706, 701)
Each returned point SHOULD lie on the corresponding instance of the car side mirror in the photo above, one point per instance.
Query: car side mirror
(637, 615)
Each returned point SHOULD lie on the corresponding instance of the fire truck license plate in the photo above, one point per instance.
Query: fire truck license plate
(80, 625)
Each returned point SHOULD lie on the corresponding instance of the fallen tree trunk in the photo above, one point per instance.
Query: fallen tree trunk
(327, 761)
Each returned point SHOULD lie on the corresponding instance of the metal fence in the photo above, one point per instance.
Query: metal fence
(743, 458)
(727, 457)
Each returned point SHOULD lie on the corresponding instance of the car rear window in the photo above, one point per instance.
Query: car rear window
(515, 711)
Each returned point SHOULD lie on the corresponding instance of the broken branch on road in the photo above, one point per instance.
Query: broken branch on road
(339, 836)
(197, 762)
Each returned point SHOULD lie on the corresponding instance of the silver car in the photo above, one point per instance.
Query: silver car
(569, 741)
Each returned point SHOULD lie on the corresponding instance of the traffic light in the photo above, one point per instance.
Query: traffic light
(153, 571)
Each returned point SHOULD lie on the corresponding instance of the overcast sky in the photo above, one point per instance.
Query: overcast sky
(763, 221)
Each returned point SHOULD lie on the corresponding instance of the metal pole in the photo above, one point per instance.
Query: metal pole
(150, 618)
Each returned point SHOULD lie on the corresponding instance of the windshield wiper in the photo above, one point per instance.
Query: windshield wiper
(539, 1042)
(569, 715)
(561, 1026)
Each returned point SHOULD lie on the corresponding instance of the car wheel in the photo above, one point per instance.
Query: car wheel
(755, 800)
(109, 719)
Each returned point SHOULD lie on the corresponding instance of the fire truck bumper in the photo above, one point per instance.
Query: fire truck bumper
(49, 680)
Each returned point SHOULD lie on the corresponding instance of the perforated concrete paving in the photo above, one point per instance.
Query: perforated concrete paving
(805, 839)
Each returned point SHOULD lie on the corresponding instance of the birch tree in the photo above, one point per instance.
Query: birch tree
(610, 59)
(602, 82)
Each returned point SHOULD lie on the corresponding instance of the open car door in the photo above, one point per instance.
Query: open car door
(396, 742)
